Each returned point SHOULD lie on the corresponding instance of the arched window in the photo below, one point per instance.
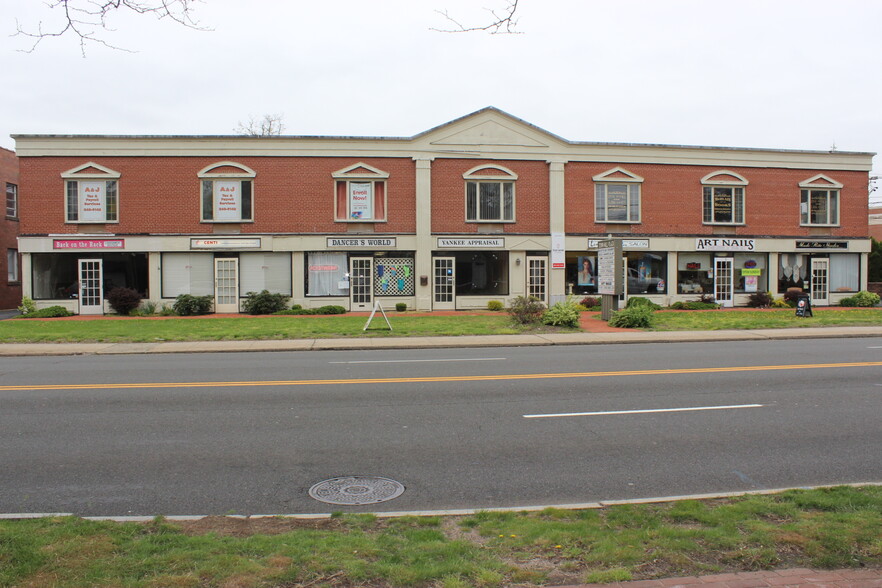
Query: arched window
(819, 201)
(490, 194)
(723, 198)
(360, 194)
(91, 194)
(617, 196)
(227, 192)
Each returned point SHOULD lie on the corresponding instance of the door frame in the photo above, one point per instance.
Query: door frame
(85, 290)
(226, 307)
(443, 285)
(361, 293)
(817, 285)
(542, 262)
(728, 264)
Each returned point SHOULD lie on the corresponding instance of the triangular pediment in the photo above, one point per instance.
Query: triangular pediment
(488, 129)
(528, 245)
(617, 174)
(820, 181)
(90, 170)
(360, 170)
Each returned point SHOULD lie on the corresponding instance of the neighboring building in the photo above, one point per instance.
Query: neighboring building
(875, 219)
(486, 207)
(10, 289)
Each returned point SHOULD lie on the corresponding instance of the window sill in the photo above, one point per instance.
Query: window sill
(486, 221)
(609, 222)
(78, 222)
(724, 224)
(360, 220)
(819, 226)
(12, 218)
(226, 222)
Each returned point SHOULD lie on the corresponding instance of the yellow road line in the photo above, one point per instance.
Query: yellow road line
(428, 379)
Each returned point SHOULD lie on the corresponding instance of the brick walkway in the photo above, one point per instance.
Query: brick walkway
(803, 577)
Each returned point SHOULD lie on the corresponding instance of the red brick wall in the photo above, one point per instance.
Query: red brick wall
(10, 294)
(162, 194)
(671, 201)
(449, 196)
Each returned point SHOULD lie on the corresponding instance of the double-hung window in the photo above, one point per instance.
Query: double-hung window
(360, 194)
(723, 198)
(12, 266)
(91, 194)
(490, 194)
(11, 201)
(819, 201)
(227, 193)
(617, 196)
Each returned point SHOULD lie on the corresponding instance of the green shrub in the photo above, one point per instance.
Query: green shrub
(27, 305)
(297, 307)
(562, 314)
(695, 305)
(50, 312)
(123, 300)
(400, 306)
(636, 317)
(264, 302)
(862, 298)
(759, 300)
(638, 302)
(495, 305)
(781, 303)
(187, 304)
(331, 309)
(166, 310)
(298, 311)
(591, 302)
(526, 310)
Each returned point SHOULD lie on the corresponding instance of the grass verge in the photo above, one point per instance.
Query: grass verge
(826, 528)
(712, 320)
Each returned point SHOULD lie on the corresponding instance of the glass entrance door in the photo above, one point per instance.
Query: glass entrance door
(91, 291)
(361, 283)
(724, 283)
(226, 285)
(820, 282)
(444, 283)
(537, 278)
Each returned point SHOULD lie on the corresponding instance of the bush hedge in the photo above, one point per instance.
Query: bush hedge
(50, 312)
(862, 298)
(188, 305)
(264, 302)
(123, 300)
(636, 317)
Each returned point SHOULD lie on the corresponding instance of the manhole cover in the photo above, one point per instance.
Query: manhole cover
(354, 490)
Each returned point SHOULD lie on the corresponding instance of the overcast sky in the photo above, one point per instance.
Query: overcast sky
(793, 74)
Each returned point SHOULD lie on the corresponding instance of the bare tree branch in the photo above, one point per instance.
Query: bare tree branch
(504, 22)
(268, 126)
(85, 18)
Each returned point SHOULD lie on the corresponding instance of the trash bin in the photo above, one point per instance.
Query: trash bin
(803, 305)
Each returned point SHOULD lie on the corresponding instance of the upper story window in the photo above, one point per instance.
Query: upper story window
(490, 194)
(227, 195)
(91, 194)
(360, 194)
(819, 201)
(723, 198)
(11, 201)
(617, 196)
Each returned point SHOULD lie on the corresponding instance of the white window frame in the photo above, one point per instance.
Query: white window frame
(618, 176)
(12, 272)
(832, 190)
(11, 196)
(738, 186)
(72, 177)
(360, 173)
(505, 178)
(207, 177)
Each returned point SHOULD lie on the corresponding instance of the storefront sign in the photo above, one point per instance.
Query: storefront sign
(88, 244)
(475, 243)
(224, 243)
(366, 242)
(724, 244)
(558, 251)
(626, 243)
(92, 200)
(751, 272)
(609, 267)
(822, 244)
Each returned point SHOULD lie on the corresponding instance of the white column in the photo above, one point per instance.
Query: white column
(556, 202)
(424, 245)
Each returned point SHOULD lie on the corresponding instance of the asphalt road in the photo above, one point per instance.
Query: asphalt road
(250, 433)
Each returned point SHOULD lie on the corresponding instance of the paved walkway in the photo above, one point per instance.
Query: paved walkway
(801, 577)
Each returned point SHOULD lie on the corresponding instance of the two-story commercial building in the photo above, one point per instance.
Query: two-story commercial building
(486, 207)
(10, 290)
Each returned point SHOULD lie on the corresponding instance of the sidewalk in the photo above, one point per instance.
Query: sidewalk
(601, 334)
(803, 577)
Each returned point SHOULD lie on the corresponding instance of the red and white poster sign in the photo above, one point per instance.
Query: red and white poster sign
(88, 244)
(361, 200)
(92, 201)
(227, 201)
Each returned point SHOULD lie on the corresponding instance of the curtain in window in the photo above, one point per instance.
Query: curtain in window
(845, 272)
(324, 273)
(187, 273)
(265, 271)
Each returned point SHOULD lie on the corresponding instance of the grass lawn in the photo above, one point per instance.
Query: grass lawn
(829, 528)
(711, 320)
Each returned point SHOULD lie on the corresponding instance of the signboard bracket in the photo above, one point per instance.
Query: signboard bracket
(377, 306)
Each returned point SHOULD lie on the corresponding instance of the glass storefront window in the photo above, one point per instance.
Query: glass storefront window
(327, 274)
(751, 273)
(647, 272)
(845, 272)
(54, 275)
(481, 273)
(695, 273)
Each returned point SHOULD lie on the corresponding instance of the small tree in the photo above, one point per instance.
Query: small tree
(526, 310)
(123, 300)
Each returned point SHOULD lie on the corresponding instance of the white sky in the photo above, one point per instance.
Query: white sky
(793, 74)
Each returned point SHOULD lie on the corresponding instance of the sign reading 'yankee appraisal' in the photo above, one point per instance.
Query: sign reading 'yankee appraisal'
(444, 243)
(703, 244)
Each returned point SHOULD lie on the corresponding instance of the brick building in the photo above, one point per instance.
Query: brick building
(10, 292)
(486, 207)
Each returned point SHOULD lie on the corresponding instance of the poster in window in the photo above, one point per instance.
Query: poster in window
(723, 204)
(92, 201)
(587, 271)
(361, 199)
(617, 202)
(227, 201)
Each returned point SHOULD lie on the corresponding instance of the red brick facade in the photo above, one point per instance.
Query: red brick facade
(10, 292)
